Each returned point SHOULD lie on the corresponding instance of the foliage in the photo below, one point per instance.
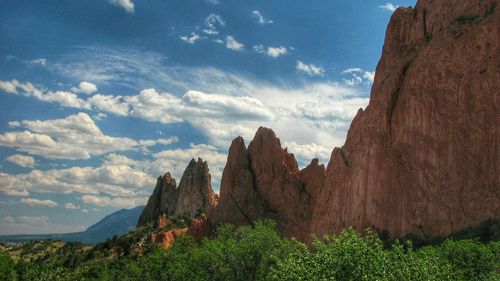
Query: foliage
(258, 252)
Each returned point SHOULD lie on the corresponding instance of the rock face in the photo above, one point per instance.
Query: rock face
(263, 181)
(421, 159)
(193, 195)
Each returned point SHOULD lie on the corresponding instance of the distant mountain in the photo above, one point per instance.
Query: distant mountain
(117, 223)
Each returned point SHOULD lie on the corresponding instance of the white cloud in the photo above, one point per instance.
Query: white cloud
(260, 18)
(22, 160)
(8, 87)
(233, 44)
(74, 137)
(310, 69)
(117, 202)
(358, 76)
(212, 23)
(100, 116)
(389, 7)
(85, 88)
(71, 206)
(304, 153)
(127, 5)
(276, 51)
(213, 2)
(191, 39)
(115, 180)
(37, 202)
(314, 112)
(273, 52)
(40, 61)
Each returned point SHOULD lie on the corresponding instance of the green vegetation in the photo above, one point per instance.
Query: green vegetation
(259, 253)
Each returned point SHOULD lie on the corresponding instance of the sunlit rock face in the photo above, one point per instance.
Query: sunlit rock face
(264, 182)
(423, 157)
(193, 195)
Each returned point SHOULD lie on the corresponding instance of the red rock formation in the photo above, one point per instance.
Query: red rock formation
(423, 158)
(194, 194)
(200, 227)
(264, 181)
(165, 239)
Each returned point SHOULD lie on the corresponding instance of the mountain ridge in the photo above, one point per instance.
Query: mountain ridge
(116, 223)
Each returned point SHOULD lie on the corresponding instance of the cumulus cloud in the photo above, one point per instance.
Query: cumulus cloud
(22, 160)
(276, 51)
(314, 112)
(85, 88)
(8, 87)
(71, 206)
(260, 18)
(37, 202)
(273, 52)
(358, 76)
(74, 137)
(115, 180)
(191, 39)
(304, 153)
(124, 181)
(310, 69)
(389, 7)
(233, 44)
(127, 5)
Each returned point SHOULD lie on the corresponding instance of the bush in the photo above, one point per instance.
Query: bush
(7, 271)
(472, 260)
(350, 256)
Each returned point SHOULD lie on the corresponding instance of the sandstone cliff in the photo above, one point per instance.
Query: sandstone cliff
(423, 158)
(263, 181)
(194, 194)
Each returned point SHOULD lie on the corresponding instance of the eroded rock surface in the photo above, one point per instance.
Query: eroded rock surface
(194, 195)
(423, 158)
(263, 181)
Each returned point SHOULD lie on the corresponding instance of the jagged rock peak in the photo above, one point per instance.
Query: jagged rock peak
(263, 181)
(194, 195)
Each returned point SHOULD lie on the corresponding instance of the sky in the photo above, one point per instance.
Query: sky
(100, 97)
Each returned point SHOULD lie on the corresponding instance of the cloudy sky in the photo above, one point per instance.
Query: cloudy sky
(99, 97)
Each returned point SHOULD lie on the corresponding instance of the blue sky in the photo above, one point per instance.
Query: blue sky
(99, 97)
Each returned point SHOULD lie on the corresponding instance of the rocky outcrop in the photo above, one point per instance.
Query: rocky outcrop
(423, 157)
(263, 181)
(194, 195)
